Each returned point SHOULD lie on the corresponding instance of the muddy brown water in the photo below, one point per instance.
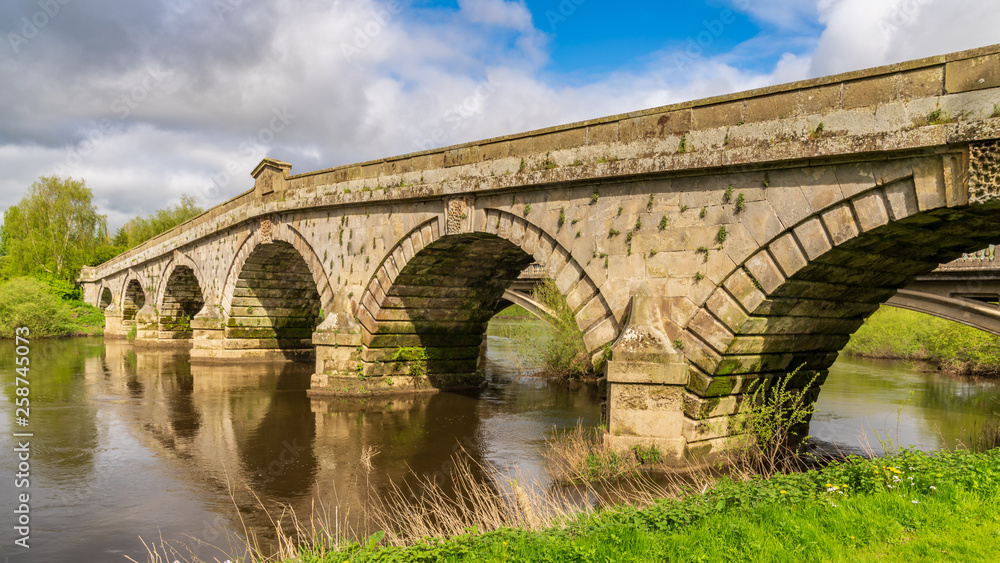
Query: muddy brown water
(133, 444)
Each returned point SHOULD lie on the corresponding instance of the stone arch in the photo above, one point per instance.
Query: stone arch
(281, 232)
(181, 260)
(180, 297)
(438, 291)
(274, 293)
(133, 298)
(795, 302)
(104, 297)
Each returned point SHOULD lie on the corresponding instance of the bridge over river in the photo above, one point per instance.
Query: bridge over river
(706, 247)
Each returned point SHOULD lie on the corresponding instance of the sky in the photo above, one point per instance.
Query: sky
(147, 101)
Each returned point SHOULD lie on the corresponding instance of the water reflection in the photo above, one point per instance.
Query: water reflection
(135, 441)
(865, 399)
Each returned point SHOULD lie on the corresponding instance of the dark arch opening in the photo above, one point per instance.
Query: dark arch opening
(105, 299)
(275, 304)
(434, 315)
(134, 300)
(182, 300)
(796, 304)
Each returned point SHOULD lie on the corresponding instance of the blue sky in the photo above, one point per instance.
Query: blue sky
(150, 100)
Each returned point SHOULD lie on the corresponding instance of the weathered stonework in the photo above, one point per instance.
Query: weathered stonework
(764, 227)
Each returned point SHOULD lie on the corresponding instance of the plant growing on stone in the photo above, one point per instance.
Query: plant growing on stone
(638, 223)
(721, 235)
(663, 222)
(594, 197)
(740, 203)
(562, 216)
(649, 204)
(728, 196)
(682, 148)
(766, 438)
(415, 358)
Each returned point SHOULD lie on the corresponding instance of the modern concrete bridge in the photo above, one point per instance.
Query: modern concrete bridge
(707, 247)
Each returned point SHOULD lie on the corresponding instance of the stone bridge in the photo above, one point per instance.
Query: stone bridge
(966, 291)
(706, 247)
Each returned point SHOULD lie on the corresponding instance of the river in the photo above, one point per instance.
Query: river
(133, 444)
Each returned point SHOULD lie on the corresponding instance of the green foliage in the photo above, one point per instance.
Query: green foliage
(594, 197)
(663, 222)
(527, 209)
(132, 333)
(649, 204)
(721, 235)
(902, 334)
(562, 216)
(141, 229)
(47, 307)
(564, 354)
(704, 211)
(682, 147)
(728, 196)
(648, 454)
(638, 223)
(740, 203)
(843, 512)
(415, 358)
(613, 233)
(53, 231)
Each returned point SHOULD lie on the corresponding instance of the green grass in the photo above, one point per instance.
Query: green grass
(908, 507)
(47, 308)
(902, 334)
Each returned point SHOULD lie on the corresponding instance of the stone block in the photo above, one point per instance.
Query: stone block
(821, 99)
(657, 373)
(871, 210)
(719, 115)
(786, 252)
(812, 236)
(602, 133)
(774, 106)
(902, 198)
(742, 287)
(761, 221)
(726, 308)
(840, 223)
(922, 83)
(711, 330)
(765, 271)
(972, 74)
(929, 183)
(871, 91)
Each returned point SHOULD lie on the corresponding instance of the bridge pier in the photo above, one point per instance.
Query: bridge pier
(646, 379)
(113, 325)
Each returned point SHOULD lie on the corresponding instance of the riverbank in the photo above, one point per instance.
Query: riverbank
(51, 308)
(910, 506)
(893, 333)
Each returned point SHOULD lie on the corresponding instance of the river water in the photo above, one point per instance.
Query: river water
(133, 444)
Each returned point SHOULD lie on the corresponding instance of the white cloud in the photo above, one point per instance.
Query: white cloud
(365, 79)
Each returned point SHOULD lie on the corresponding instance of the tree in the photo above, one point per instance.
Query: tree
(139, 230)
(53, 230)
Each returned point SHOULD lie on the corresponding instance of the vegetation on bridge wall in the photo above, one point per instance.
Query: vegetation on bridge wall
(907, 335)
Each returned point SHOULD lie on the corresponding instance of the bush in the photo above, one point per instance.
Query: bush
(38, 305)
(564, 354)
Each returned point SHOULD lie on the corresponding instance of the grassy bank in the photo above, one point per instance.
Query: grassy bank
(901, 334)
(908, 507)
(47, 307)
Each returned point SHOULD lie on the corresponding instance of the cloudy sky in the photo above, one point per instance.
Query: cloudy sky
(150, 100)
